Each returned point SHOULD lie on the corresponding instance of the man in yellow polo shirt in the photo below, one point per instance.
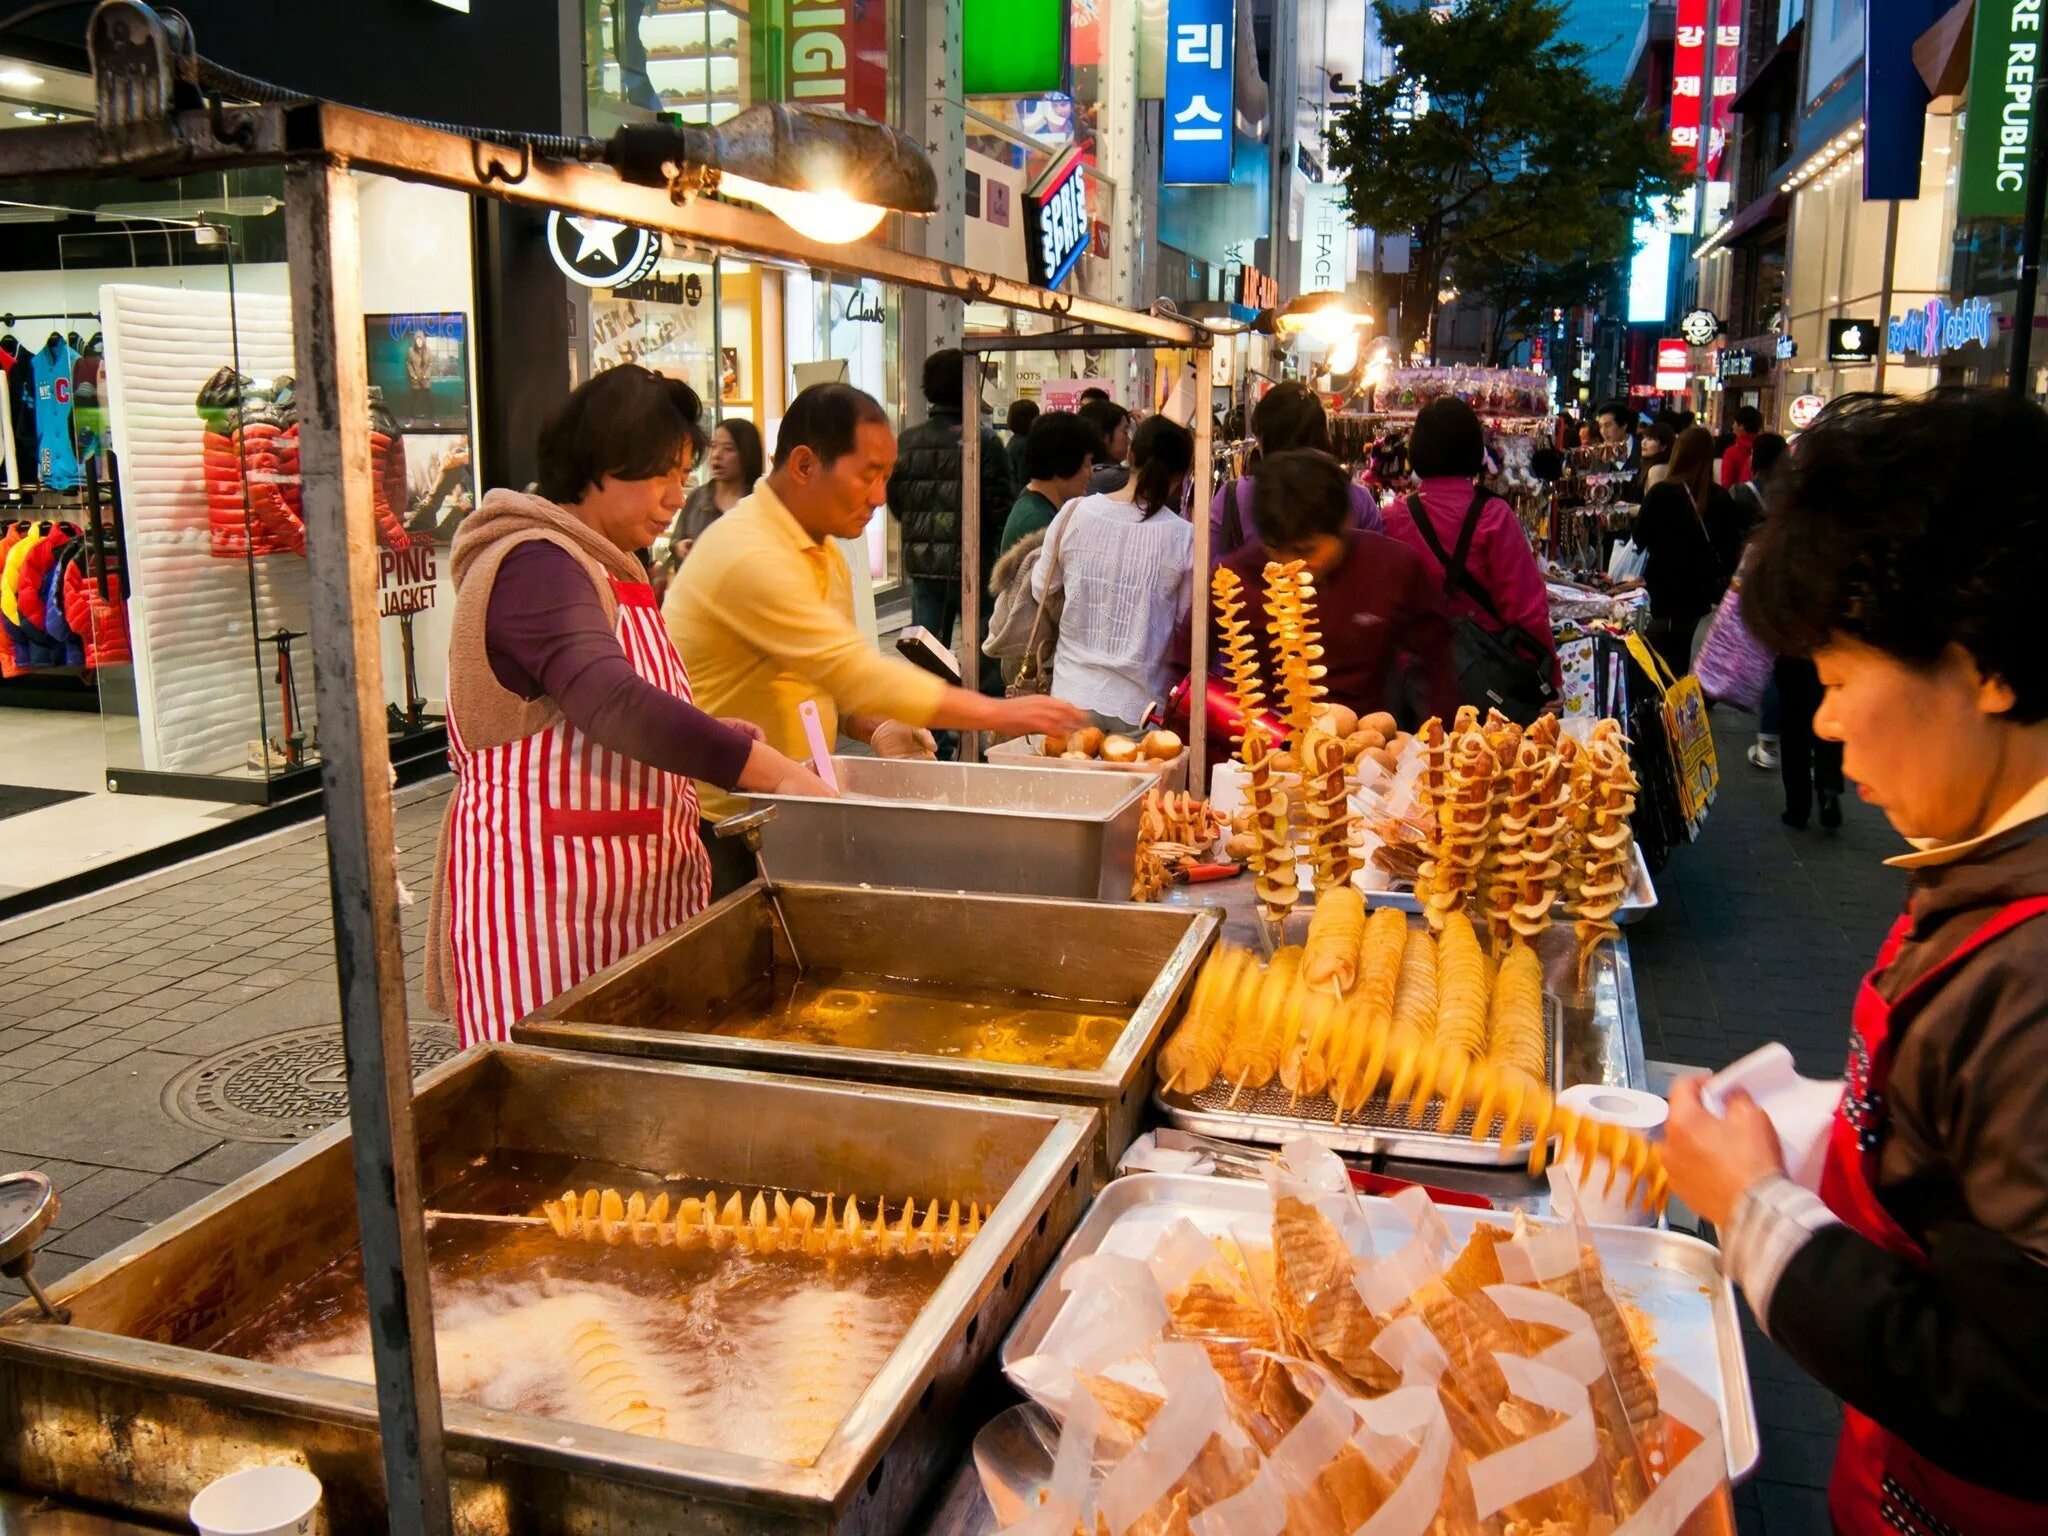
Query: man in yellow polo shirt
(762, 611)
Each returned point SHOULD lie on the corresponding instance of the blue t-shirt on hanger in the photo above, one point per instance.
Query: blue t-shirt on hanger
(57, 457)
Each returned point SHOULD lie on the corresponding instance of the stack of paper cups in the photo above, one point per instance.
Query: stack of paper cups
(1601, 1198)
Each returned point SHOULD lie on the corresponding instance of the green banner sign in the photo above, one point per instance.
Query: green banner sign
(1998, 135)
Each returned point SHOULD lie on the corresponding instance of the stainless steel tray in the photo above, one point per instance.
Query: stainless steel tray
(1640, 901)
(962, 827)
(129, 1408)
(1672, 1279)
(1378, 1127)
(1129, 959)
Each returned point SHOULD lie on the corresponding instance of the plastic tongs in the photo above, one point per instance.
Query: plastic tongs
(1241, 1162)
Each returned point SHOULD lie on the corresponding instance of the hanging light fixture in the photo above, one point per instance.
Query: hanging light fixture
(1329, 317)
(830, 175)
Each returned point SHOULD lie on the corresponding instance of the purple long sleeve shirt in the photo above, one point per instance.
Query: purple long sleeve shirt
(546, 634)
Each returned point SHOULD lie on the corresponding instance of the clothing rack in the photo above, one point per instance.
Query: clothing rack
(9, 322)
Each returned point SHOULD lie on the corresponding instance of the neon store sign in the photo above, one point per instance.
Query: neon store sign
(1940, 327)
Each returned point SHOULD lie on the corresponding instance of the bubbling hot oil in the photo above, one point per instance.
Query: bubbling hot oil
(762, 1355)
(856, 1010)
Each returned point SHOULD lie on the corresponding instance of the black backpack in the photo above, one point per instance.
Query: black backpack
(1506, 669)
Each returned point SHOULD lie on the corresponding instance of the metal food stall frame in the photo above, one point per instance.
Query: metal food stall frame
(140, 131)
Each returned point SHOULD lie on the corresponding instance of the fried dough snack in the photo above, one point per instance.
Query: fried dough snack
(1326, 811)
(1608, 840)
(1258, 1042)
(789, 1226)
(1335, 928)
(1297, 647)
(1272, 862)
(1238, 645)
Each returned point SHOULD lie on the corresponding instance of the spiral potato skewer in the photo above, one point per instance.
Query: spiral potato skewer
(1252, 1055)
(1363, 1042)
(1272, 859)
(1430, 788)
(1335, 930)
(1297, 647)
(1239, 646)
(1608, 839)
(788, 1226)
(1326, 802)
(1515, 789)
(1464, 823)
(1541, 872)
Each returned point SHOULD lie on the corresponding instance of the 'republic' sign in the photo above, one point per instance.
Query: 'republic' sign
(1056, 228)
(1201, 78)
(1998, 135)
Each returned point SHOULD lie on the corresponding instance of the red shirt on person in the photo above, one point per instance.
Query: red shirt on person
(1736, 462)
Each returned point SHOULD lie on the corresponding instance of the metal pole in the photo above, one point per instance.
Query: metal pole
(2030, 253)
(970, 542)
(1884, 297)
(1198, 594)
(323, 238)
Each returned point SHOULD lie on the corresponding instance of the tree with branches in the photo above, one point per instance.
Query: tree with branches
(1493, 145)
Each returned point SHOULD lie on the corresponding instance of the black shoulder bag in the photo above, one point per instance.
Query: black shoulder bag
(1506, 669)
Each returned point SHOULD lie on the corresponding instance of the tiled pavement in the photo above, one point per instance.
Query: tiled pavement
(1761, 935)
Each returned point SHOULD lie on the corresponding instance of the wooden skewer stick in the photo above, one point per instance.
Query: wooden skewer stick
(1231, 1102)
(502, 1221)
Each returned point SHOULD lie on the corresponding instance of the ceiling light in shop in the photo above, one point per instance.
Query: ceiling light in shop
(830, 218)
(46, 115)
(14, 74)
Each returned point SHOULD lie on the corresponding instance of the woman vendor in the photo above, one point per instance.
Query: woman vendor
(1907, 557)
(571, 838)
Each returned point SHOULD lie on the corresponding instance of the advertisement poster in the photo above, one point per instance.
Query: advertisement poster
(421, 364)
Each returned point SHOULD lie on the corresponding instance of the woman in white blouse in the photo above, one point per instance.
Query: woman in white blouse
(1124, 561)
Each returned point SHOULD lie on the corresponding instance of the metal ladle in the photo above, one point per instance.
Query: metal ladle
(747, 826)
(28, 1204)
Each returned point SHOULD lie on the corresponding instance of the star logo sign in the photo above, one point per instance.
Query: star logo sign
(601, 253)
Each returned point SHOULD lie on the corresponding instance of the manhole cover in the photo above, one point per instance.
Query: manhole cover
(284, 1087)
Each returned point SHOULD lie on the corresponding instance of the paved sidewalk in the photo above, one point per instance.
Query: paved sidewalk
(195, 995)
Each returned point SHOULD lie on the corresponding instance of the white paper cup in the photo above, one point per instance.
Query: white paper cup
(258, 1501)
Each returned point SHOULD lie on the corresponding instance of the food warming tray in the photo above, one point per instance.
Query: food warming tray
(1133, 957)
(1672, 1279)
(961, 827)
(127, 1408)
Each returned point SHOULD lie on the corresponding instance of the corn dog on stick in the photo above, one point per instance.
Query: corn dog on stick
(1335, 929)
(1238, 645)
(1364, 1040)
(756, 1227)
(1258, 1041)
(1326, 804)
(1430, 787)
(1272, 861)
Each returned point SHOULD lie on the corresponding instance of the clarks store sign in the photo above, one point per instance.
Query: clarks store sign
(1998, 134)
(1942, 327)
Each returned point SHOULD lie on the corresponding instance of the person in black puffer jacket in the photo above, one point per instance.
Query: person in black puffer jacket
(924, 493)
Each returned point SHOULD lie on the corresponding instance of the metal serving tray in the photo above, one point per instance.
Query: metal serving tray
(962, 827)
(126, 1408)
(1638, 903)
(1134, 957)
(1673, 1280)
(1265, 1119)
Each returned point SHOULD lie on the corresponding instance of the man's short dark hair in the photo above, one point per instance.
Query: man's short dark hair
(1621, 411)
(1105, 416)
(624, 424)
(1092, 392)
(1765, 454)
(1912, 525)
(1060, 442)
(1447, 440)
(825, 419)
(943, 382)
(1748, 419)
(1298, 495)
(1022, 414)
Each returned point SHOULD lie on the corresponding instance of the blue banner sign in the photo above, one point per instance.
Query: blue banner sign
(1201, 64)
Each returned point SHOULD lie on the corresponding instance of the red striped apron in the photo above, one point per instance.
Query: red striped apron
(565, 856)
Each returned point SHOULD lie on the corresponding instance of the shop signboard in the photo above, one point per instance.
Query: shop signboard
(1804, 411)
(1013, 47)
(1700, 327)
(1674, 363)
(1853, 341)
(1939, 326)
(1329, 246)
(1894, 97)
(838, 55)
(1998, 135)
(1741, 363)
(1201, 55)
(1056, 221)
(597, 253)
(1705, 68)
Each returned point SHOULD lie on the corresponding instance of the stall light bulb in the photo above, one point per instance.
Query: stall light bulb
(1344, 354)
(830, 218)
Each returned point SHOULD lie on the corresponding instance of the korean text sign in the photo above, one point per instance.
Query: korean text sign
(1201, 53)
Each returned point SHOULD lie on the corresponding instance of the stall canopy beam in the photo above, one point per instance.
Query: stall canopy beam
(323, 238)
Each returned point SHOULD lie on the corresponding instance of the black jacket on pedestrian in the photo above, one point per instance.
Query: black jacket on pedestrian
(924, 493)
(1953, 1356)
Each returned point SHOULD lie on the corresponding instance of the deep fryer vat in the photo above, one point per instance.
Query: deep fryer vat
(125, 1407)
(661, 1000)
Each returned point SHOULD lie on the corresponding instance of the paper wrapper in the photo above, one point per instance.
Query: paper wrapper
(1285, 1378)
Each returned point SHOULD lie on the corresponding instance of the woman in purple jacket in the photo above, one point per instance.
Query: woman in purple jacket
(1291, 416)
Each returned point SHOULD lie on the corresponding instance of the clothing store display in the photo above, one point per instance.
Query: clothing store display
(101, 622)
(57, 456)
(246, 508)
(18, 405)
